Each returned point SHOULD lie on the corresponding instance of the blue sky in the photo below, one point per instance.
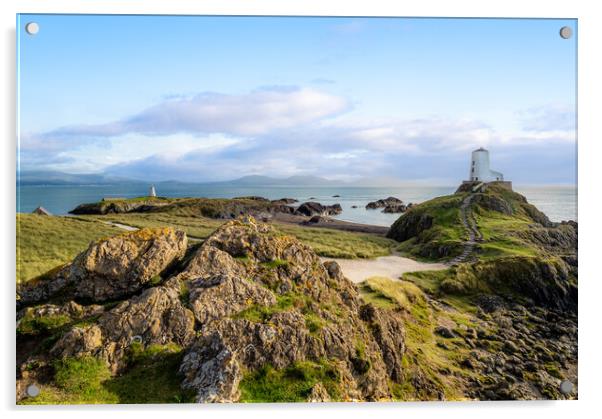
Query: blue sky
(215, 98)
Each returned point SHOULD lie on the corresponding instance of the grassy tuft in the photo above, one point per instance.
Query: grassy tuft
(30, 325)
(291, 384)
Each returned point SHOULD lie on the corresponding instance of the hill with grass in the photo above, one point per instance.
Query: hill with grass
(496, 241)
(194, 308)
(248, 315)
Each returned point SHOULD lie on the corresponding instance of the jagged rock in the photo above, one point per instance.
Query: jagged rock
(394, 208)
(389, 333)
(318, 394)
(409, 225)
(493, 203)
(210, 368)
(243, 264)
(41, 211)
(383, 203)
(123, 264)
(69, 312)
(445, 332)
(111, 268)
(310, 209)
(218, 285)
(155, 317)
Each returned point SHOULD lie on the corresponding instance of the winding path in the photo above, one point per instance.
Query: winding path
(470, 225)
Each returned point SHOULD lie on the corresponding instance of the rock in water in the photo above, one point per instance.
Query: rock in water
(382, 203)
(310, 209)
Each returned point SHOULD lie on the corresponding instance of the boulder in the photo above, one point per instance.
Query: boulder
(318, 394)
(409, 225)
(394, 208)
(41, 211)
(316, 219)
(210, 369)
(157, 316)
(311, 208)
(245, 299)
(382, 203)
(284, 201)
(110, 268)
(121, 265)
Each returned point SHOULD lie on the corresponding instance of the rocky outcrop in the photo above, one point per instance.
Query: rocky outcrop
(245, 299)
(309, 209)
(119, 266)
(157, 316)
(383, 203)
(41, 211)
(394, 208)
(211, 370)
(284, 201)
(111, 268)
(411, 224)
(119, 206)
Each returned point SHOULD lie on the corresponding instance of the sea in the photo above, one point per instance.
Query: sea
(557, 202)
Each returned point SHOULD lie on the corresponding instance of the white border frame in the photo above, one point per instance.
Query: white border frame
(589, 93)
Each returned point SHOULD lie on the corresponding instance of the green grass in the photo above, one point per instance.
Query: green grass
(340, 244)
(44, 242)
(500, 235)
(291, 384)
(197, 227)
(423, 357)
(260, 313)
(150, 377)
(274, 264)
(325, 242)
(387, 293)
(30, 325)
(446, 232)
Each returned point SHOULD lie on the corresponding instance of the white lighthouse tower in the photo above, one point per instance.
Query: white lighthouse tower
(152, 191)
(479, 168)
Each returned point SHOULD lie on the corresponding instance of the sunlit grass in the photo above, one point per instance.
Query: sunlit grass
(43, 242)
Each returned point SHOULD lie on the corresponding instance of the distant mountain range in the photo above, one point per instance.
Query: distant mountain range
(47, 177)
(256, 180)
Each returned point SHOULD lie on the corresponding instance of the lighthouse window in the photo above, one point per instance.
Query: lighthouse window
(473, 162)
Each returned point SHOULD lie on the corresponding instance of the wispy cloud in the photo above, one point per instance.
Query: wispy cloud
(254, 113)
(281, 131)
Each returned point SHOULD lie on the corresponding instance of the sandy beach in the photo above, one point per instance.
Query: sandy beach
(357, 270)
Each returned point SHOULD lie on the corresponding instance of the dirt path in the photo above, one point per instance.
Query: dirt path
(470, 225)
(357, 270)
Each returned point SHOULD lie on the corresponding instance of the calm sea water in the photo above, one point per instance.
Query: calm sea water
(557, 202)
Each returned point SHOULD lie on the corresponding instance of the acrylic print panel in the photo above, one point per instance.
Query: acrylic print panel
(295, 209)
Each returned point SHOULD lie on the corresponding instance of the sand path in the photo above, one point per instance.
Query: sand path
(357, 270)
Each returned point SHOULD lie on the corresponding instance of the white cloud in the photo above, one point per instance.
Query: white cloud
(255, 113)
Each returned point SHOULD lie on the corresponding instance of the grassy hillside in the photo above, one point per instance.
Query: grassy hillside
(510, 227)
(325, 242)
(43, 242)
